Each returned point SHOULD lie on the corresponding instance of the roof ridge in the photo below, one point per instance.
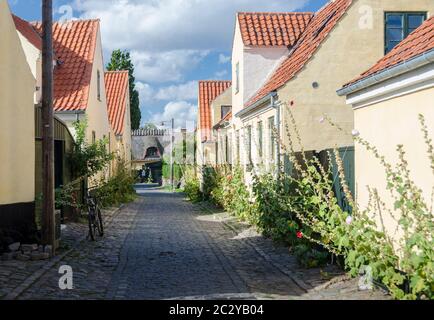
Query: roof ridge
(323, 23)
(214, 81)
(276, 12)
(118, 71)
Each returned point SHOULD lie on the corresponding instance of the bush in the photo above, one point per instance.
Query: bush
(192, 185)
(177, 171)
(118, 189)
(275, 218)
(230, 193)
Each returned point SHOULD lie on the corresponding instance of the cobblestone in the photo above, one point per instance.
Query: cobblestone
(163, 247)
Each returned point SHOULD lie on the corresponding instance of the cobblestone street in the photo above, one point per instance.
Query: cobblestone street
(163, 247)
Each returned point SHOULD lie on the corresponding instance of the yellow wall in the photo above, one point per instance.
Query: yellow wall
(17, 128)
(351, 48)
(225, 99)
(386, 125)
(34, 59)
(96, 111)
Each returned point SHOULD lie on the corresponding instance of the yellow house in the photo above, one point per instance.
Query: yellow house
(205, 142)
(387, 100)
(118, 104)
(221, 117)
(342, 39)
(79, 89)
(17, 133)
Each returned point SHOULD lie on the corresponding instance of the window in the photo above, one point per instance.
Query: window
(249, 144)
(237, 143)
(227, 149)
(237, 77)
(399, 25)
(260, 140)
(271, 127)
(225, 111)
(98, 75)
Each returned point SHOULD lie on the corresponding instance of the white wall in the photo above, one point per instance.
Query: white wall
(259, 64)
(34, 59)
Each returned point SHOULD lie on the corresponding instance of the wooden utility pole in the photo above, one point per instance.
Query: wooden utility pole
(48, 219)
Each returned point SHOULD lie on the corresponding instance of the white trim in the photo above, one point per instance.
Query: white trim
(404, 84)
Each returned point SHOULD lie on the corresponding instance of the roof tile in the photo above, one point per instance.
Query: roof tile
(317, 30)
(74, 43)
(418, 42)
(208, 91)
(26, 29)
(117, 86)
(272, 29)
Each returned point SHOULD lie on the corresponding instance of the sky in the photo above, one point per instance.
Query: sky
(173, 43)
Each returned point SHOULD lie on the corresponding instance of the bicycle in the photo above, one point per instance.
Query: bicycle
(96, 226)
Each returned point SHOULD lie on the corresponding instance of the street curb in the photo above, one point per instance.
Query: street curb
(14, 294)
(298, 281)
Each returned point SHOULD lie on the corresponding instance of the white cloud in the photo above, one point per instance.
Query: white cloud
(221, 74)
(168, 66)
(167, 25)
(224, 59)
(168, 39)
(182, 111)
(146, 92)
(185, 91)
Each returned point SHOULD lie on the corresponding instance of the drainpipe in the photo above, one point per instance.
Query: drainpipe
(276, 105)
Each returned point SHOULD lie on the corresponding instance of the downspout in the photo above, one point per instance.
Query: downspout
(276, 106)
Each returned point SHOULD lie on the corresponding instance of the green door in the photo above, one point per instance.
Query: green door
(347, 156)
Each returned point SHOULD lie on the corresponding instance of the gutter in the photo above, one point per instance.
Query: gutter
(408, 65)
(269, 97)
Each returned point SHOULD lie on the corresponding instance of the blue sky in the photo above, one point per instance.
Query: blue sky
(174, 43)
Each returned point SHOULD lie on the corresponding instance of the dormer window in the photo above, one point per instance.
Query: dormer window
(225, 111)
(399, 25)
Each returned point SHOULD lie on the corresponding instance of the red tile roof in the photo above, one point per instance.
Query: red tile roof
(418, 42)
(117, 87)
(316, 32)
(272, 29)
(74, 43)
(208, 91)
(227, 117)
(26, 29)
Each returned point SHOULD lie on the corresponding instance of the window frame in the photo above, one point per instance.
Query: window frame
(98, 88)
(272, 142)
(222, 115)
(249, 133)
(261, 139)
(237, 78)
(405, 27)
(237, 145)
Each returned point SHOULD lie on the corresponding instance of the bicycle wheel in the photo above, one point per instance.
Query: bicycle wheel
(92, 229)
(99, 223)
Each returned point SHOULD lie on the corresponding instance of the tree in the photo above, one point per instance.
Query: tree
(150, 126)
(121, 60)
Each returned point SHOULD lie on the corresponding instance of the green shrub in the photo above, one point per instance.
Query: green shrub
(309, 256)
(118, 189)
(192, 185)
(177, 171)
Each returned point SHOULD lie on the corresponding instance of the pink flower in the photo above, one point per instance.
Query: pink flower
(349, 220)
(299, 234)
